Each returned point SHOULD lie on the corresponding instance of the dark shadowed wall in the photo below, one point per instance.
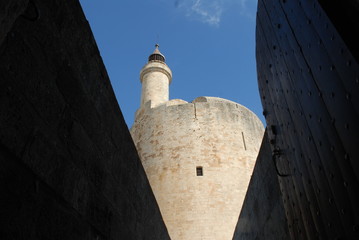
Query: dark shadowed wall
(262, 215)
(68, 167)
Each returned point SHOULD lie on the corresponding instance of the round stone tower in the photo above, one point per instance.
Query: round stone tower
(155, 77)
(198, 157)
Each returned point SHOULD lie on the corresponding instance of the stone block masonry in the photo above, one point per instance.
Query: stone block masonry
(68, 167)
(198, 157)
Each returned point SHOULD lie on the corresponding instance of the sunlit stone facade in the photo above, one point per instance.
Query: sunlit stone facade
(198, 156)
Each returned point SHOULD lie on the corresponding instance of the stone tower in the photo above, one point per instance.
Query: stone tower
(155, 77)
(198, 156)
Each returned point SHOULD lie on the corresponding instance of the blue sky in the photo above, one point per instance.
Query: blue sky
(209, 46)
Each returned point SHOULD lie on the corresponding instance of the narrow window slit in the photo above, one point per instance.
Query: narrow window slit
(244, 142)
(199, 171)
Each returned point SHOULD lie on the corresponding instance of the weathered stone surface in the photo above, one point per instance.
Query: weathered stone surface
(155, 78)
(175, 138)
(69, 169)
(262, 215)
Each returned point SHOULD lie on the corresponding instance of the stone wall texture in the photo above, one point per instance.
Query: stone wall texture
(262, 215)
(68, 166)
(155, 77)
(174, 139)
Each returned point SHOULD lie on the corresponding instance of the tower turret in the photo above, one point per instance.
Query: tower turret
(155, 77)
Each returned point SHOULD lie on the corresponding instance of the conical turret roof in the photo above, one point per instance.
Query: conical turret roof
(157, 55)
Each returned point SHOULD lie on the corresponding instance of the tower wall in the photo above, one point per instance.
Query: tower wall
(155, 78)
(177, 137)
